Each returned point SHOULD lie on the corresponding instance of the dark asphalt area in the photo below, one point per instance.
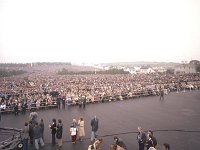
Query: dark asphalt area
(171, 119)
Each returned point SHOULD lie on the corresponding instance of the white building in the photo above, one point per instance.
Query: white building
(185, 68)
(146, 70)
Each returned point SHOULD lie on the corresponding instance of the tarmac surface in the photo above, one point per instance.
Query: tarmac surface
(174, 120)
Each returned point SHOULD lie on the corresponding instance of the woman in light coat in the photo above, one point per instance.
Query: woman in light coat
(81, 129)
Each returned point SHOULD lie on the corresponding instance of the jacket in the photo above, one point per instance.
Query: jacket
(59, 131)
(25, 132)
(95, 124)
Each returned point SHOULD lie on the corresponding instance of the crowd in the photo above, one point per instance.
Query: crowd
(38, 91)
(23, 93)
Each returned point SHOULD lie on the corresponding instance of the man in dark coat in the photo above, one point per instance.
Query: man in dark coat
(42, 128)
(38, 136)
(25, 136)
(24, 106)
(59, 133)
(31, 126)
(141, 138)
(84, 101)
(53, 132)
(95, 125)
(16, 109)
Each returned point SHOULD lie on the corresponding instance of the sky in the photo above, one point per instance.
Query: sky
(91, 31)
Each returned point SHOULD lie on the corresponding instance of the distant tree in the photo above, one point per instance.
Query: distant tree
(110, 71)
(8, 73)
(170, 71)
(198, 68)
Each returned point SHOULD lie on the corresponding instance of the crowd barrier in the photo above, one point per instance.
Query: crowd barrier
(12, 140)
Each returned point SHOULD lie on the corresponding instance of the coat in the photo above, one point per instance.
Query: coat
(25, 132)
(81, 130)
(37, 132)
(95, 124)
(53, 128)
(59, 131)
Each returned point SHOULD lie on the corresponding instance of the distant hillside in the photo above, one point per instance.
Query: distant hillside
(44, 67)
(142, 63)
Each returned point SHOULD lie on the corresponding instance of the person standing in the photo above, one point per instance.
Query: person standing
(38, 136)
(161, 93)
(53, 132)
(31, 126)
(59, 132)
(63, 103)
(141, 138)
(81, 129)
(42, 128)
(24, 106)
(16, 109)
(84, 102)
(33, 116)
(74, 123)
(73, 133)
(151, 141)
(95, 125)
(25, 136)
(80, 102)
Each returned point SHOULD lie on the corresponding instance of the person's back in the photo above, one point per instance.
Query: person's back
(37, 136)
(42, 128)
(37, 132)
(25, 132)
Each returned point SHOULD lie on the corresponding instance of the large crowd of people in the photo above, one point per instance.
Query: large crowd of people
(47, 90)
(22, 93)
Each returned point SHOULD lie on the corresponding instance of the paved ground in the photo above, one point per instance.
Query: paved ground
(178, 111)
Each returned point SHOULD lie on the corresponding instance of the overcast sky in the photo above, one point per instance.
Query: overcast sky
(94, 31)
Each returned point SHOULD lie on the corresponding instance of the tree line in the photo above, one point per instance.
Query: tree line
(110, 71)
(8, 73)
